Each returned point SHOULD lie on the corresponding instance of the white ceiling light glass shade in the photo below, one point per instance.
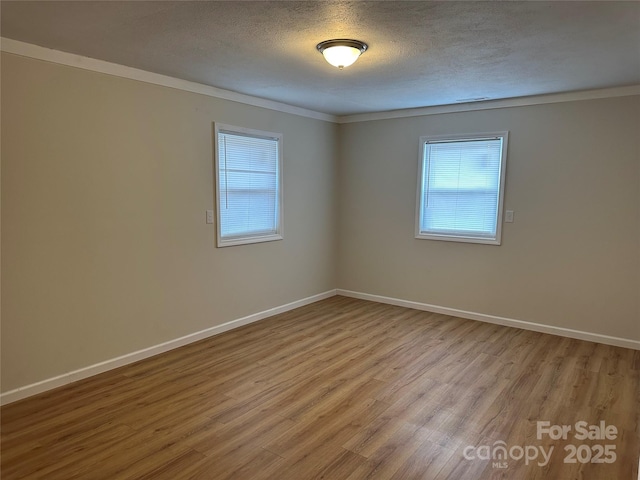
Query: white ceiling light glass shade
(341, 53)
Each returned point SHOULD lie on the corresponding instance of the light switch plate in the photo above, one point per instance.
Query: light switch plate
(209, 216)
(508, 216)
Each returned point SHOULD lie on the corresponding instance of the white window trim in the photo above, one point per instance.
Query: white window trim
(421, 165)
(247, 239)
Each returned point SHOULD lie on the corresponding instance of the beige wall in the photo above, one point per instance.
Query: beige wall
(571, 258)
(105, 250)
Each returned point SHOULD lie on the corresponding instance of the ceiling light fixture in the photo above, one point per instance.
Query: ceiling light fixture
(341, 53)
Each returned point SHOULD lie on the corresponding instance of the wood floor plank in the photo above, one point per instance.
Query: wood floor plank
(424, 463)
(339, 389)
(391, 452)
(264, 465)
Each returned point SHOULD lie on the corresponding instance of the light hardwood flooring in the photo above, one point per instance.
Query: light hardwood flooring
(341, 389)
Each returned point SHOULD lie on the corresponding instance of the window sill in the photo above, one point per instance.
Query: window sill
(459, 238)
(230, 242)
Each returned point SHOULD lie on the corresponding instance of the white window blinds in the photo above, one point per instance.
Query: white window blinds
(460, 193)
(249, 186)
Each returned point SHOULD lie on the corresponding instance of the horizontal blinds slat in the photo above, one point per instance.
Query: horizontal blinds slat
(248, 180)
(461, 187)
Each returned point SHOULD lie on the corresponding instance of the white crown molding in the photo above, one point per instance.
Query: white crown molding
(70, 377)
(508, 322)
(17, 47)
(23, 49)
(492, 104)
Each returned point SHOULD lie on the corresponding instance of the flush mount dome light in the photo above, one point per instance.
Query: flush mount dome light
(341, 53)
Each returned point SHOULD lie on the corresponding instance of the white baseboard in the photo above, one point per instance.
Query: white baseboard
(66, 378)
(509, 322)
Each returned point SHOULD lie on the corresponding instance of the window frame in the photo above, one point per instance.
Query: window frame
(245, 239)
(497, 240)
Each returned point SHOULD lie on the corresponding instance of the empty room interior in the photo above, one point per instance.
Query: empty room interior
(331, 240)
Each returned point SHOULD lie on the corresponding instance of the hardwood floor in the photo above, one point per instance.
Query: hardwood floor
(341, 389)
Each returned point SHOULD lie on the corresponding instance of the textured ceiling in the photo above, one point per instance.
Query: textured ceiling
(420, 53)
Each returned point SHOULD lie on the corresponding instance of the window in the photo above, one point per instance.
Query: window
(461, 187)
(249, 185)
